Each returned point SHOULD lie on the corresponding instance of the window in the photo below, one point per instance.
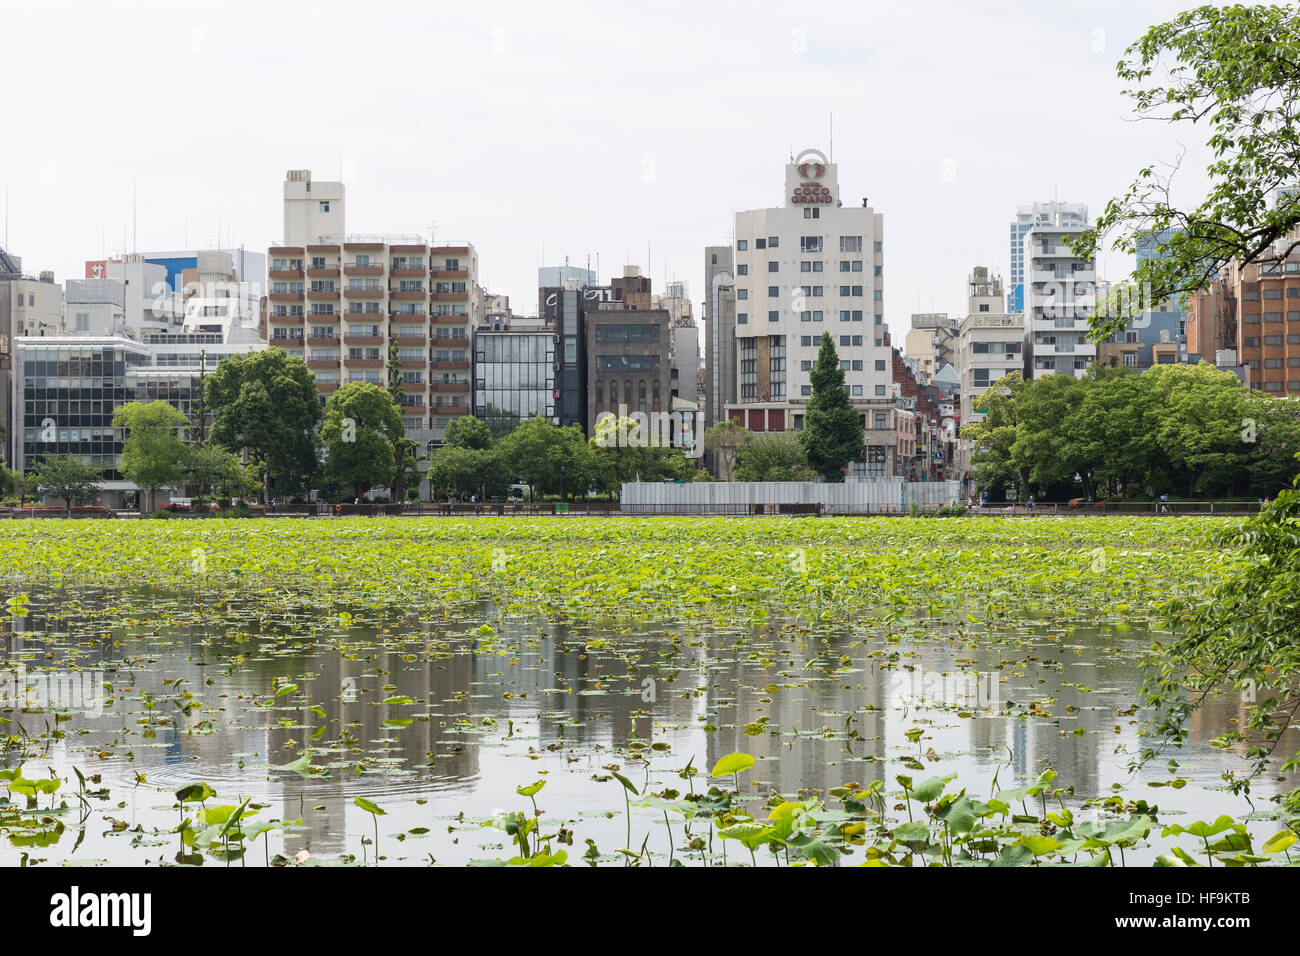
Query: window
(742, 294)
(742, 318)
(844, 315)
(880, 365)
(773, 315)
(760, 243)
(772, 242)
(850, 243)
(773, 266)
(844, 340)
(324, 205)
(742, 270)
(741, 245)
(810, 243)
(773, 291)
(877, 246)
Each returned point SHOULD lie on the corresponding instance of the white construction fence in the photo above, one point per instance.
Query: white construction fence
(869, 496)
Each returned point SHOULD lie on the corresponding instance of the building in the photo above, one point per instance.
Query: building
(628, 358)
(931, 341)
(990, 342)
(568, 312)
(1060, 293)
(719, 333)
(808, 266)
(496, 312)
(1028, 216)
(29, 306)
(69, 386)
(514, 377)
(312, 210)
(1249, 316)
(348, 304)
(1158, 335)
(556, 277)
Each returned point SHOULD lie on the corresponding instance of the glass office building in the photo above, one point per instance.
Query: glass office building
(514, 378)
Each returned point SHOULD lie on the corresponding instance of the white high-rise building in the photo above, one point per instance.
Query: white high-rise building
(810, 265)
(1060, 294)
(1029, 215)
(312, 210)
(991, 341)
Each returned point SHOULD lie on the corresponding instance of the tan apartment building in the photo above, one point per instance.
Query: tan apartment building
(1254, 311)
(342, 302)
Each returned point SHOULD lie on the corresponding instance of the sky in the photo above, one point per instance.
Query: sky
(626, 133)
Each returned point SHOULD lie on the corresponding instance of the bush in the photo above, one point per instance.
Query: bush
(915, 510)
(162, 513)
(951, 511)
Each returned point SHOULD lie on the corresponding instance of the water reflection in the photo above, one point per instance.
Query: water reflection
(488, 712)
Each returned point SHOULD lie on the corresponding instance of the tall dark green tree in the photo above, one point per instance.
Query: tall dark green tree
(266, 403)
(832, 431)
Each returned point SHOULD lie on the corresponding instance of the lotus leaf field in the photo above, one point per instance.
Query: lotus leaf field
(611, 692)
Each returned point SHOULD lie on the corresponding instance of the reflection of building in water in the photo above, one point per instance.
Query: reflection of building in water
(792, 750)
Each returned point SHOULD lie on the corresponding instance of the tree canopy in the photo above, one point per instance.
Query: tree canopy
(1232, 71)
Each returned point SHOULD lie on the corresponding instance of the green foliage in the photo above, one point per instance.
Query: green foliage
(152, 451)
(466, 431)
(723, 441)
(69, 478)
(832, 435)
(624, 454)
(777, 456)
(1174, 429)
(1241, 635)
(463, 471)
(1231, 69)
(359, 431)
(550, 459)
(266, 403)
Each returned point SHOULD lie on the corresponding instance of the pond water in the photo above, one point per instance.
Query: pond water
(438, 721)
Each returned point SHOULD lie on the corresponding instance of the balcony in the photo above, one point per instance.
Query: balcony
(323, 363)
(450, 297)
(449, 387)
(369, 269)
(285, 296)
(408, 295)
(363, 340)
(450, 319)
(410, 387)
(451, 273)
(407, 272)
(326, 272)
(327, 387)
(284, 273)
(375, 293)
(452, 342)
(448, 365)
(363, 363)
(323, 295)
(284, 319)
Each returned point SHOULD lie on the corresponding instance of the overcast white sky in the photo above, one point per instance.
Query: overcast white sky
(628, 131)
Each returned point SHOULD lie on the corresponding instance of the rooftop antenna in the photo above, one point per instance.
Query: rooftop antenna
(135, 236)
(831, 149)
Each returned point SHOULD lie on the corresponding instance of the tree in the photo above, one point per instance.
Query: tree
(832, 431)
(994, 435)
(266, 403)
(624, 454)
(461, 471)
(550, 459)
(777, 456)
(213, 470)
(69, 478)
(359, 431)
(466, 431)
(723, 441)
(1241, 635)
(1232, 70)
(1040, 452)
(152, 451)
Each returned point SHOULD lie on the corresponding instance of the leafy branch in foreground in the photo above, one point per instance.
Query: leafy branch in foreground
(1243, 636)
(1235, 69)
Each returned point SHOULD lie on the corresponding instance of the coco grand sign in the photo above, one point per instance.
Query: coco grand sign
(811, 166)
